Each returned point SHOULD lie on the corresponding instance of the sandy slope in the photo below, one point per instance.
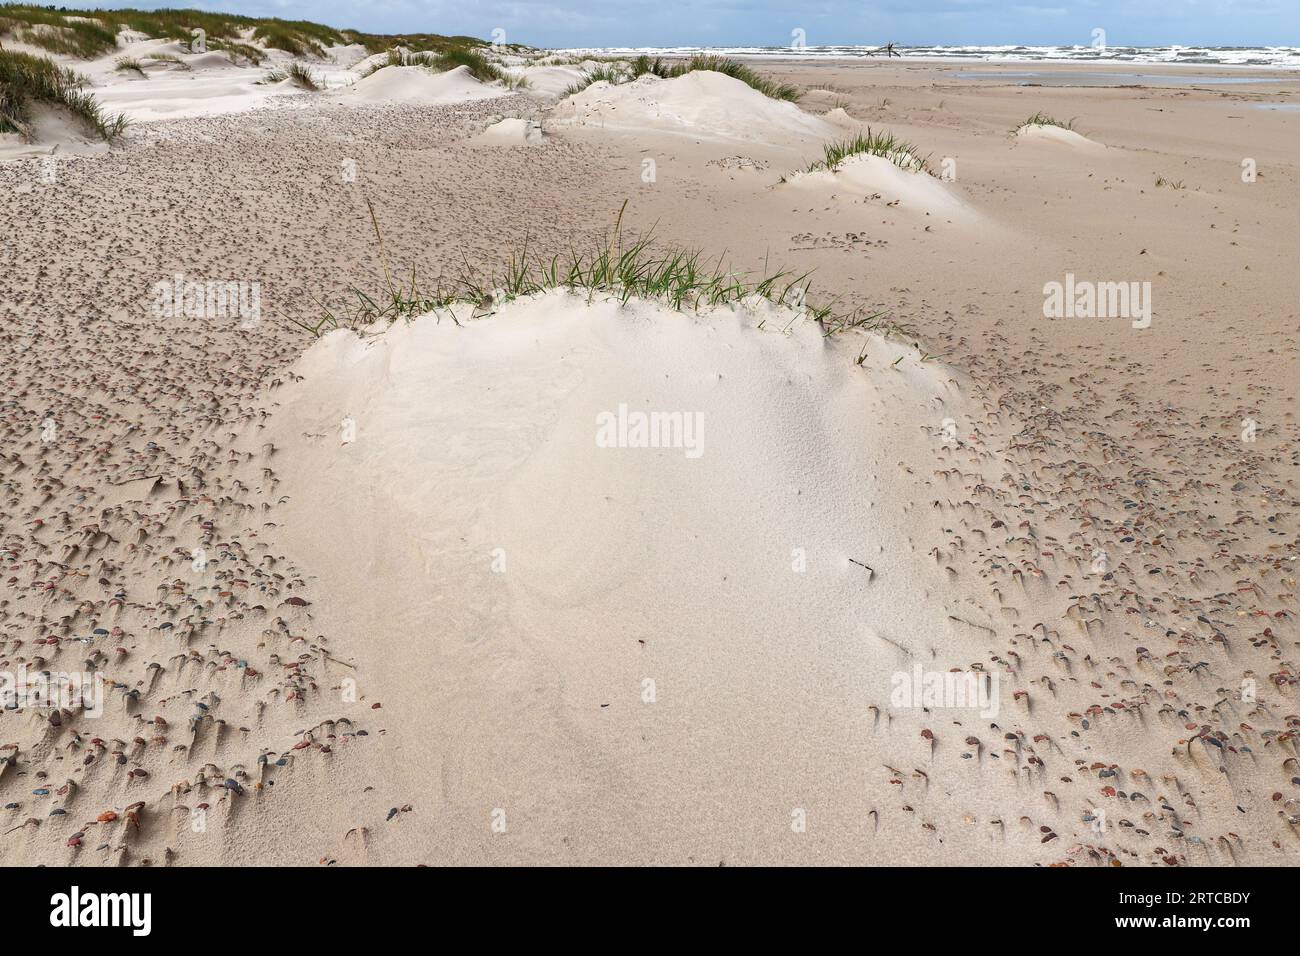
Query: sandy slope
(701, 104)
(675, 635)
(1146, 706)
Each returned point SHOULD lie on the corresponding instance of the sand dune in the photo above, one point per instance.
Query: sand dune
(701, 104)
(876, 177)
(646, 635)
(415, 84)
(1057, 134)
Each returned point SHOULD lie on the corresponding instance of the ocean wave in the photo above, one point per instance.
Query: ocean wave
(1273, 56)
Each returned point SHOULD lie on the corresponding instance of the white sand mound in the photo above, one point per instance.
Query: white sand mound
(212, 60)
(179, 94)
(348, 55)
(373, 60)
(840, 117)
(512, 132)
(1057, 134)
(640, 653)
(867, 175)
(701, 104)
(415, 84)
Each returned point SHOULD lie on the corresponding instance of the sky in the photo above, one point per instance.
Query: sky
(570, 23)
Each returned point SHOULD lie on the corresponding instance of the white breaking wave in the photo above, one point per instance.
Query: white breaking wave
(1271, 56)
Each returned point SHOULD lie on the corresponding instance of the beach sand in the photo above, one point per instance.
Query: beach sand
(387, 599)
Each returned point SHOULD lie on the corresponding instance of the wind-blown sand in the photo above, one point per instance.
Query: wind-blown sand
(400, 567)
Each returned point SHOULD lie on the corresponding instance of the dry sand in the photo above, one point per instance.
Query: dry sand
(385, 598)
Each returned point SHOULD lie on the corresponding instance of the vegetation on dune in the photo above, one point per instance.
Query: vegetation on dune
(479, 66)
(418, 42)
(26, 81)
(126, 64)
(53, 31)
(477, 63)
(605, 72)
(1042, 119)
(237, 51)
(93, 33)
(885, 144)
(301, 74)
(88, 34)
(280, 36)
(618, 72)
(738, 70)
(682, 279)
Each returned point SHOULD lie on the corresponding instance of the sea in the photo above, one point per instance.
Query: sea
(1257, 57)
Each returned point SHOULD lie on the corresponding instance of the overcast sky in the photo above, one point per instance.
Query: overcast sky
(555, 23)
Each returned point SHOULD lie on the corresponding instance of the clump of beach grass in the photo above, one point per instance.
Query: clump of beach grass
(478, 64)
(643, 65)
(607, 72)
(273, 76)
(885, 144)
(302, 75)
(613, 269)
(27, 80)
(1042, 119)
(126, 64)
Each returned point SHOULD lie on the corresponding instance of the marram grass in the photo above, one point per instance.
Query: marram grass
(1042, 119)
(885, 144)
(682, 279)
(27, 80)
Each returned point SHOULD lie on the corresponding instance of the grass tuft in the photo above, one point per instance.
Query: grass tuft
(301, 74)
(901, 153)
(478, 65)
(126, 64)
(26, 80)
(612, 269)
(1042, 119)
